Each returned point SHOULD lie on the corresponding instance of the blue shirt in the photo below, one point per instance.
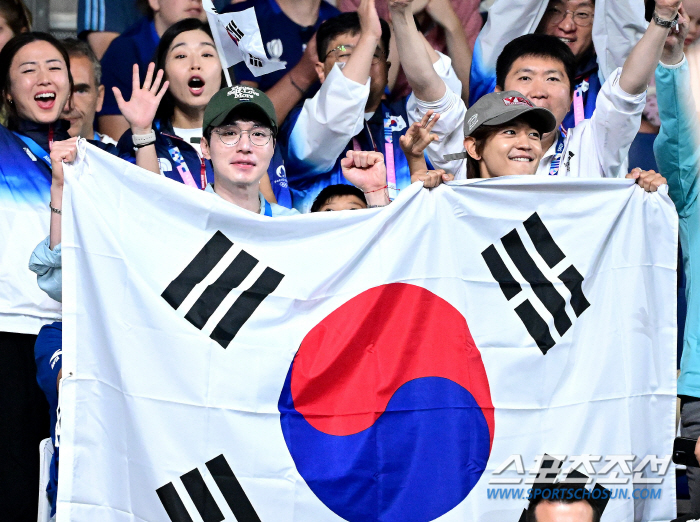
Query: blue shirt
(283, 39)
(678, 157)
(49, 361)
(137, 45)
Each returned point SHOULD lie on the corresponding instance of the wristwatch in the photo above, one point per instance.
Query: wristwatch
(668, 24)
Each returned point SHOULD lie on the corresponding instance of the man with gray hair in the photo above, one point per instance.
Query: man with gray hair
(88, 93)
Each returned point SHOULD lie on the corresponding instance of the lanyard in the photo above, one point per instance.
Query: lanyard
(184, 170)
(556, 161)
(388, 154)
(268, 208)
(579, 113)
(34, 146)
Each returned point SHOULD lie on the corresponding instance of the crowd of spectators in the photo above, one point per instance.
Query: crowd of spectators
(376, 95)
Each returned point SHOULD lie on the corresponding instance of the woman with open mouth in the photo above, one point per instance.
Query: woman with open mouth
(187, 55)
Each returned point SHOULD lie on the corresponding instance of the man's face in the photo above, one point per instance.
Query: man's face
(543, 81)
(171, 11)
(692, 9)
(244, 162)
(339, 51)
(87, 98)
(559, 512)
(563, 20)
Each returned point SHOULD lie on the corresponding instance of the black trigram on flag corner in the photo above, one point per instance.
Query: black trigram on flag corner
(202, 497)
(234, 32)
(215, 293)
(544, 289)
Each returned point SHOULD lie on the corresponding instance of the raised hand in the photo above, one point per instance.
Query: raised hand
(414, 6)
(675, 41)
(418, 136)
(667, 9)
(647, 179)
(62, 152)
(141, 109)
(365, 170)
(369, 19)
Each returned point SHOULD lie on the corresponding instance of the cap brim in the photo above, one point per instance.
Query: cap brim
(264, 118)
(541, 119)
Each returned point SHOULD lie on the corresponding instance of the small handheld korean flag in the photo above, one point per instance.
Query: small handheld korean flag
(237, 37)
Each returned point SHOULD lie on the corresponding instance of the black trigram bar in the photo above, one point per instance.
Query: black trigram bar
(173, 504)
(543, 241)
(231, 490)
(542, 287)
(509, 286)
(201, 496)
(255, 61)
(197, 270)
(535, 325)
(234, 30)
(573, 280)
(245, 305)
(216, 292)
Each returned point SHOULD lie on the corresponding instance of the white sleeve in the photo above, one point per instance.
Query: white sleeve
(613, 126)
(327, 122)
(449, 128)
(443, 67)
(617, 27)
(507, 20)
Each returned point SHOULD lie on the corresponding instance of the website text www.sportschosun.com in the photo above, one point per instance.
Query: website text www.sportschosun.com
(572, 493)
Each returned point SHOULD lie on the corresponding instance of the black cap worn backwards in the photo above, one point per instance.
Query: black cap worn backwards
(498, 108)
(230, 99)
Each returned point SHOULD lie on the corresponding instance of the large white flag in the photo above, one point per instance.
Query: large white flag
(410, 363)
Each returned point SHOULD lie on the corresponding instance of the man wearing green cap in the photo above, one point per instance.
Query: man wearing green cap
(239, 135)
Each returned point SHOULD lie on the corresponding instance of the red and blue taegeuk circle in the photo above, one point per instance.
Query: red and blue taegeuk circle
(386, 409)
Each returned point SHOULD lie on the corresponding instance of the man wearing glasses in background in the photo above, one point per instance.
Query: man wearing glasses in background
(348, 112)
(600, 33)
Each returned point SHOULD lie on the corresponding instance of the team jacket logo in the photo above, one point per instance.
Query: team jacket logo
(275, 49)
(202, 498)
(214, 294)
(386, 408)
(544, 289)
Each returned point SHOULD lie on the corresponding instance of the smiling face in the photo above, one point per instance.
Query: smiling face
(87, 98)
(512, 149)
(560, 23)
(242, 164)
(543, 81)
(39, 83)
(193, 68)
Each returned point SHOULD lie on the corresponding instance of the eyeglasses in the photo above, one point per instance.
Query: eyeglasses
(230, 136)
(344, 52)
(582, 18)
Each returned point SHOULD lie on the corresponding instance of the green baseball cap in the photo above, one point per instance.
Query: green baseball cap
(228, 100)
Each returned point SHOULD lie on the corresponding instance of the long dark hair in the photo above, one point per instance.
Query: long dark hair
(8, 54)
(167, 104)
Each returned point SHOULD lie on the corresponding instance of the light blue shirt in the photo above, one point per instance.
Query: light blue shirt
(678, 157)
